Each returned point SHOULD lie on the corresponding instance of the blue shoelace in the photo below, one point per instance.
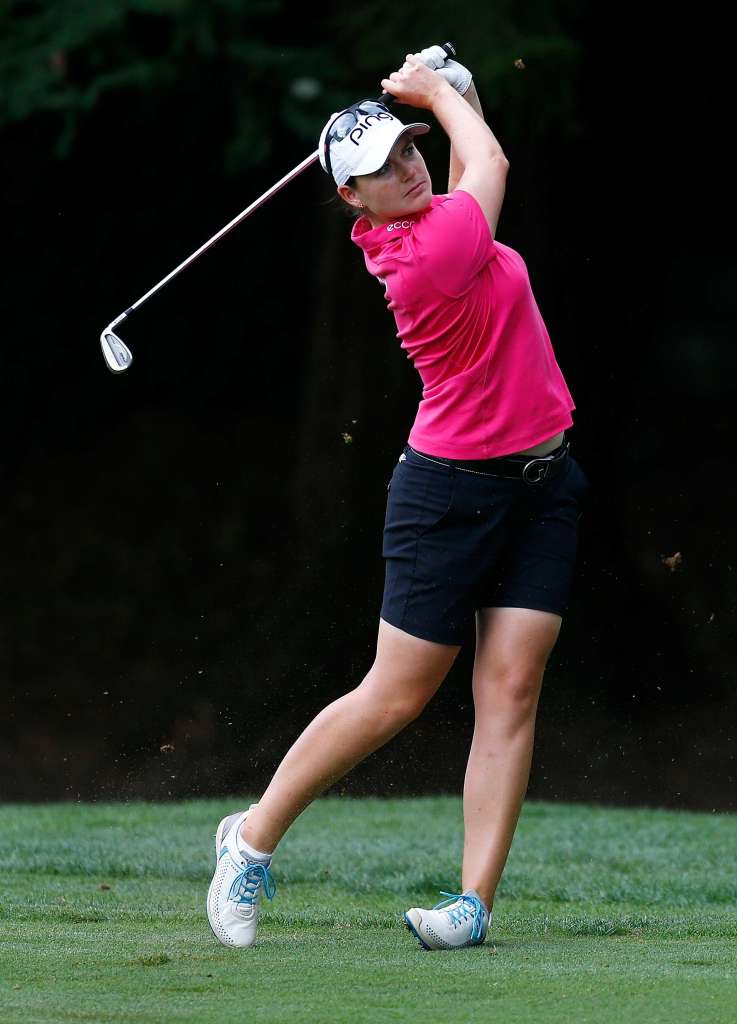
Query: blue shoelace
(468, 906)
(246, 885)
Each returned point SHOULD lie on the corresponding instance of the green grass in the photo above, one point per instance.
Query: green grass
(604, 915)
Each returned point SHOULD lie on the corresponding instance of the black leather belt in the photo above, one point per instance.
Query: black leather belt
(533, 469)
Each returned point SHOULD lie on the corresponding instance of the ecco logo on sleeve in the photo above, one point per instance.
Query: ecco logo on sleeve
(398, 224)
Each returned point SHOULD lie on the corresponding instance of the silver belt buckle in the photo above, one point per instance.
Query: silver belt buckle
(535, 471)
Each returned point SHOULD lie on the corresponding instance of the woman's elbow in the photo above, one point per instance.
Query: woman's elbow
(495, 163)
(493, 155)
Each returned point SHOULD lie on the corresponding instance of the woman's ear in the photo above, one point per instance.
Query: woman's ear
(350, 196)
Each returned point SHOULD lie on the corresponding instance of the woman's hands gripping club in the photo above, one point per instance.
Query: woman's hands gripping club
(436, 58)
(416, 83)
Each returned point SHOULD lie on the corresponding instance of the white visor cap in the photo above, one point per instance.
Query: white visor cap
(366, 147)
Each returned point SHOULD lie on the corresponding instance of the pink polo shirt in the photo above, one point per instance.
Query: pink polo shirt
(469, 322)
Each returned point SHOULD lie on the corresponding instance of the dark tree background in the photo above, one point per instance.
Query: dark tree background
(191, 551)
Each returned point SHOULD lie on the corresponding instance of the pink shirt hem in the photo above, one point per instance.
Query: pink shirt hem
(510, 446)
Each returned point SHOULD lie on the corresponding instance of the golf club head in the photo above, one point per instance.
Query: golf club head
(117, 354)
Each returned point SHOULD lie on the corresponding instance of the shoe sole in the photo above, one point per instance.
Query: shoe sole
(413, 931)
(435, 949)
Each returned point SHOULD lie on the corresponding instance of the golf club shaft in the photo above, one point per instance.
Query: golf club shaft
(307, 162)
(117, 354)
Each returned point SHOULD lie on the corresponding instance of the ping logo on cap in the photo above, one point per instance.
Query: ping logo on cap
(363, 126)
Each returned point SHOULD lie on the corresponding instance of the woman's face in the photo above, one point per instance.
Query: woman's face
(402, 186)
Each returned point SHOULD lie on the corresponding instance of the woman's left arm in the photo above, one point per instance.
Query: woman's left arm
(456, 167)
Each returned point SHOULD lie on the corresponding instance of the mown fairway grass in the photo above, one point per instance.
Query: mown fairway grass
(603, 916)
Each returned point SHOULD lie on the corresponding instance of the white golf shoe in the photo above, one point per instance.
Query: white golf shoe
(235, 890)
(456, 922)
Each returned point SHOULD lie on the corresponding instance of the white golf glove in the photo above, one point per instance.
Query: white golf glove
(436, 58)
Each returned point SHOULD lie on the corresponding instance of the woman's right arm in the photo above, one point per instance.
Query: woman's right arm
(477, 152)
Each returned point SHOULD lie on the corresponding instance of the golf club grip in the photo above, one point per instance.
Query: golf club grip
(386, 97)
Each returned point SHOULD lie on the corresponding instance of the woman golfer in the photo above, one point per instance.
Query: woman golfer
(482, 507)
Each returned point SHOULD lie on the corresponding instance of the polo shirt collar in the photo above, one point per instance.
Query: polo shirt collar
(368, 238)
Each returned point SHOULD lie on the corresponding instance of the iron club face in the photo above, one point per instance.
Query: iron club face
(117, 354)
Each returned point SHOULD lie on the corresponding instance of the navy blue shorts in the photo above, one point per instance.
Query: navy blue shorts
(456, 541)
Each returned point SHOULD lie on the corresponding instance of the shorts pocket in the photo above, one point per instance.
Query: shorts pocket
(418, 501)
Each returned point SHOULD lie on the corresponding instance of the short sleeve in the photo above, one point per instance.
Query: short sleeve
(453, 243)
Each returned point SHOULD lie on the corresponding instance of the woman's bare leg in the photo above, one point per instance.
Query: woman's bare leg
(512, 648)
(405, 675)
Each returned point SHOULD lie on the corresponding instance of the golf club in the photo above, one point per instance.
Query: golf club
(118, 356)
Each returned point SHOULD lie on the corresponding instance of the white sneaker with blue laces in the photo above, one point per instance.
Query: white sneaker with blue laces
(235, 890)
(458, 921)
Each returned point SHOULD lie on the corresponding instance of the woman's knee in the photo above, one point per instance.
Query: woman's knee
(397, 710)
(515, 689)
(522, 689)
(397, 704)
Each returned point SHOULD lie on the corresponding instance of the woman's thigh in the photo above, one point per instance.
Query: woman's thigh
(514, 641)
(407, 667)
